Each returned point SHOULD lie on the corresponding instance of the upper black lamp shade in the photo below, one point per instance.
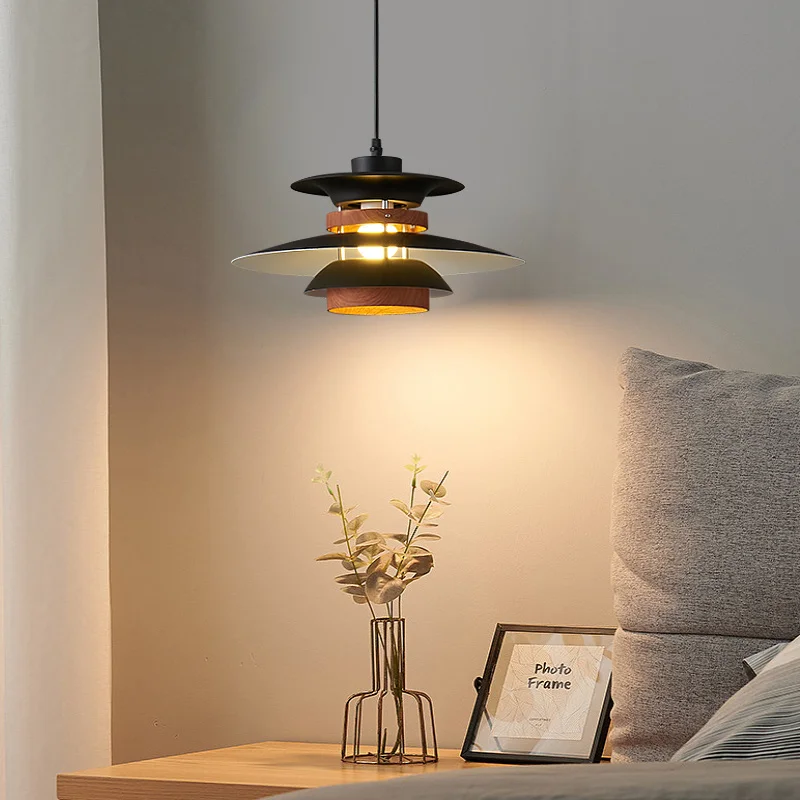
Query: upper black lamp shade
(377, 260)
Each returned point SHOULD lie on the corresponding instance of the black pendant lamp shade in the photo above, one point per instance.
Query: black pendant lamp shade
(376, 258)
(308, 256)
(377, 178)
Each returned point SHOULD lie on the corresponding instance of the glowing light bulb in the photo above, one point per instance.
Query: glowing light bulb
(377, 253)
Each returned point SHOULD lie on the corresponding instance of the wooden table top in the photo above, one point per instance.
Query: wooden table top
(247, 772)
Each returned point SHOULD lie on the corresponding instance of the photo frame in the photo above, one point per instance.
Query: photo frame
(544, 698)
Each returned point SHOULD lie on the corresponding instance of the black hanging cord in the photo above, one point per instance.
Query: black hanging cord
(377, 147)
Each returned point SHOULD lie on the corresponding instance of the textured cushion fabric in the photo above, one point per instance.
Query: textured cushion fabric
(706, 536)
(706, 527)
(755, 663)
(710, 780)
(761, 721)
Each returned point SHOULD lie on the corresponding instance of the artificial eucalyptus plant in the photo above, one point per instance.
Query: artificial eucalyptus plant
(379, 566)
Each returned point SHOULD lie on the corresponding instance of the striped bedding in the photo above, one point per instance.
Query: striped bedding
(755, 663)
(762, 720)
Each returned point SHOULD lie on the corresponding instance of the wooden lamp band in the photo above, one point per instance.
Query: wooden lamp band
(353, 217)
(377, 300)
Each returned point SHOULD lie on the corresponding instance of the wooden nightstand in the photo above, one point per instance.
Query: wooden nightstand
(237, 773)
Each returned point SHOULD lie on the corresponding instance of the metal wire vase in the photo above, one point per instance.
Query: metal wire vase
(389, 724)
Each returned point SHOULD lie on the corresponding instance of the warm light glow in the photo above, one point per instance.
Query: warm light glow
(377, 227)
(373, 311)
(372, 253)
(377, 253)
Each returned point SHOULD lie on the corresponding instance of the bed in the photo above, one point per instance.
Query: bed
(706, 573)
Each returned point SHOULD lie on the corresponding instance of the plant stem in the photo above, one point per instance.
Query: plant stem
(410, 538)
(411, 534)
(350, 549)
(408, 534)
(396, 682)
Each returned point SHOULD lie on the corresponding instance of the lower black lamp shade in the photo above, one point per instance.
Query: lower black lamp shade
(386, 286)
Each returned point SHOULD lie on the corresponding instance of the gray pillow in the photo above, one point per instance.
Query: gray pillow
(706, 538)
(761, 721)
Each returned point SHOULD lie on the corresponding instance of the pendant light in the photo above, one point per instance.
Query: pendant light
(377, 257)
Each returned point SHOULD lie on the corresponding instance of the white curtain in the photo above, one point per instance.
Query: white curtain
(54, 626)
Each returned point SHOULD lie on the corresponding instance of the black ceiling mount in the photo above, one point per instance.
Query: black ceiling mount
(376, 176)
(379, 163)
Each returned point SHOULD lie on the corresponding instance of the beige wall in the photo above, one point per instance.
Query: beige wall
(55, 661)
(641, 157)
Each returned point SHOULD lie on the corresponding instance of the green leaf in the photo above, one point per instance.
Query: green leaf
(431, 536)
(381, 588)
(350, 579)
(362, 601)
(401, 505)
(419, 565)
(337, 509)
(384, 562)
(369, 551)
(369, 538)
(357, 591)
(423, 511)
(432, 488)
(334, 557)
(356, 523)
(400, 537)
